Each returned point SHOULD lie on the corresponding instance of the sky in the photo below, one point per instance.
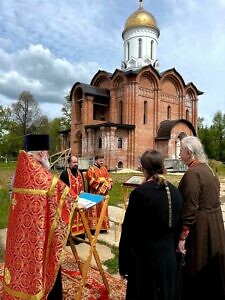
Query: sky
(48, 45)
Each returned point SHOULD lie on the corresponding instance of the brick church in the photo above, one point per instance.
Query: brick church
(137, 107)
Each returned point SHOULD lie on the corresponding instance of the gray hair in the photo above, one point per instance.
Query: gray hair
(193, 144)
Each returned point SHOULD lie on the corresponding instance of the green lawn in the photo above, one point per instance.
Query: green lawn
(6, 173)
(7, 170)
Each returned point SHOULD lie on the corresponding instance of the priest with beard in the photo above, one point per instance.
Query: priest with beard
(40, 214)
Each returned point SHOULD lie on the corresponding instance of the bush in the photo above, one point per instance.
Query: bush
(217, 166)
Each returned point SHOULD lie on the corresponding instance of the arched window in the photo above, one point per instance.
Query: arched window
(139, 48)
(168, 113)
(128, 50)
(120, 143)
(120, 165)
(152, 43)
(187, 114)
(100, 143)
(145, 113)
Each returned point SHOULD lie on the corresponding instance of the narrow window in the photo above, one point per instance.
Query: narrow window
(100, 143)
(121, 112)
(139, 48)
(187, 114)
(120, 143)
(152, 49)
(128, 51)
(168, 113)
(145, 113)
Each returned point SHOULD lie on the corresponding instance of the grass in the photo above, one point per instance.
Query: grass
(7, 170)
(111, 264)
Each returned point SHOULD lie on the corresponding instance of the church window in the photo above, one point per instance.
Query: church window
(145, 113)
(120, 165)
(168, 112)
(152, 49)
(128, 50)
(121, 112)
(139, 48)
(187, 114)
(120, 143)
(100, 143)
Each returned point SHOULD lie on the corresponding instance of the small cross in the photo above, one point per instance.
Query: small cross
(13, 202)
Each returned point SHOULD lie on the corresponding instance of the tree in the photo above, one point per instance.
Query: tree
(5, 120)
(66, 114)
(218, 128)
(54, 128)
(213, 137)
(41, 126)
(26, 112)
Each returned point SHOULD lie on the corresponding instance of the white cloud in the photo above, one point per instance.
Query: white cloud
(36, 69)
(46, 46)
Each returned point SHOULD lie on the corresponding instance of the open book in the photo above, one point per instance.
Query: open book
(88, 200)
(134, 181)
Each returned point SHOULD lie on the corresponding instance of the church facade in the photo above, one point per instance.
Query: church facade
(135, 108)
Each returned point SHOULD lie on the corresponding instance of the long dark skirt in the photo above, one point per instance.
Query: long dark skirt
(154, 273)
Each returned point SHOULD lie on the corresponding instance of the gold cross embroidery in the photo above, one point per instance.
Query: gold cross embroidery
(13, 202)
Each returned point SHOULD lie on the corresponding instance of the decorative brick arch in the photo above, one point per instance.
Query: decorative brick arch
(101, 79)
(118, 81)
(169, 82)
(147, 79)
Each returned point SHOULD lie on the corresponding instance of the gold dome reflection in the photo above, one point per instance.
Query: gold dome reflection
(140, 18)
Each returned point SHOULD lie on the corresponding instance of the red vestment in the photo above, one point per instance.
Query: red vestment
(76, 186)
(99, 182)
(38, 228)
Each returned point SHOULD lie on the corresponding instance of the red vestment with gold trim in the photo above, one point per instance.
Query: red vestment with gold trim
(76, 186)
(100, 183)
(38, 228)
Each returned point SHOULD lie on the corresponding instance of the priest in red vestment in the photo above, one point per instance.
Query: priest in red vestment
(73, 178)
(39, 223)
(99, 182)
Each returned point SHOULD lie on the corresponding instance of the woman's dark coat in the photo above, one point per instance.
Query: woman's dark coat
(147, 249)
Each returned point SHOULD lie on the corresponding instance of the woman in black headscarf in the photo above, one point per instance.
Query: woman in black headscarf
(147, 249)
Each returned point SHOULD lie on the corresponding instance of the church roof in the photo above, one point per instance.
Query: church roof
(139, 18)
(166, 126)
(91, 90)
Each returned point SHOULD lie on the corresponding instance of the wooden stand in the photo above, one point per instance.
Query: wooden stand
(91, 241)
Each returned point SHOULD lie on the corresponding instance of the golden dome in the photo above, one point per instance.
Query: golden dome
(140, 18)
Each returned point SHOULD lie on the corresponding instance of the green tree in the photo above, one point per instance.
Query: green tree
(204, 133)
(5, 120)
(213, 137)
(66, 114)
(54, 128)
(218, 128)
